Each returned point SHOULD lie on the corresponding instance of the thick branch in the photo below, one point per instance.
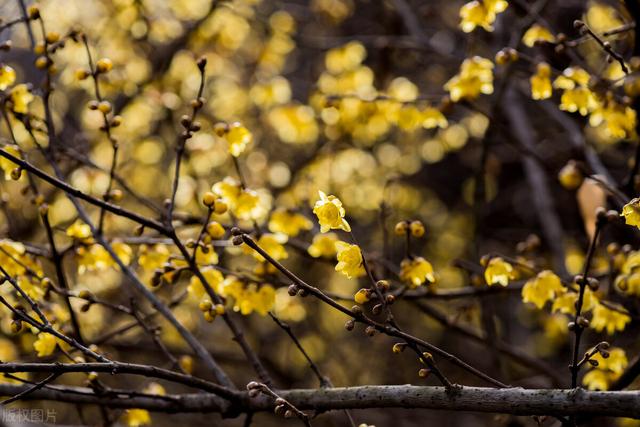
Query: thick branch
(516, 401)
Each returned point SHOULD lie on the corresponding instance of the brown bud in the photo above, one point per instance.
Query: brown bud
(202, 63)
(583, 322)
(349, 325)
(383, 285)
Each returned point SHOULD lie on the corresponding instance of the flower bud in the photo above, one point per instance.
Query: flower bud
(208, 199)
(104, 107)
(401, 228)
(220, 207)
(349, 325)
(417, 228)
(104, 65)
(205, 305)
(570, 176)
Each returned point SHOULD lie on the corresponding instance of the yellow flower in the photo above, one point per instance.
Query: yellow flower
(323, 245)
(7, 76)
(618, 120)
(289, 223)
(606, 318)
(537, 33)
(273, 92)
(349, 260)
(96, 258)
(137, 417)
(631, 212)
(480, 13)
(243, 202)
(577, 97)
(566, 302)
(416, 271)
(498, 271)
(238, 137)
(7, 165)
(264, 300)
(294, 124)
(362, 296)
(330, 213)
(345, 58)
(570, 176)
(79, 230)
(155, 388)
(153, 257)
(409, 118)
(607, 371)
(541, 82)
(616, 362)
(213, 277)
(248, 299)
(544, 287)
(45, 345)
(432, 118)
(475, 77)
(21, 97)
(15, 259)
(273, 244)
(628, 281)
(123, 251)
(597, 379)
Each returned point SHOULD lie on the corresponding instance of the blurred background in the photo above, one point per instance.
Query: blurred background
(347, 97)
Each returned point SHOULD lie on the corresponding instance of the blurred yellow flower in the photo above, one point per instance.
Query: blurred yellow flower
(272, 244)
(566, 302)
(276, 91)
(432, 118)
(137, 417)
(287, 222)
(480, 13)
(213, 277)
(7, 76)
(475, 77)
(244, 203)
(7, 165)
(45, 345)
(542, 288)
(631, 212)
(541, 82)
(611, 320)
(349, 260)
(248, 298)
(416, 271)
(153, 257)
(607, 370)
(577, 97)
(294, 124)
(79, 230)
(537, 33)
(330, 213)
(498, 271)
(345, 58)
(619, 121)
(323, 245)
(21, 97)
(238, 137)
